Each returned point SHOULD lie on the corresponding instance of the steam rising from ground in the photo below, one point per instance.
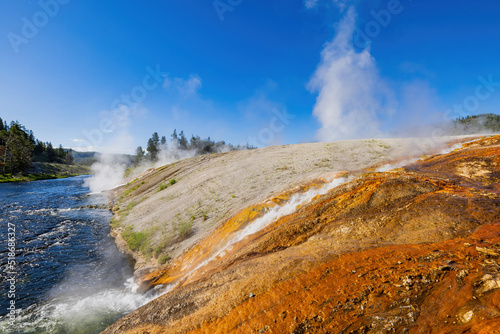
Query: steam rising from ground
(351, 94)
(108, 173)
(170, 154)
(354, 101)
(109, 170)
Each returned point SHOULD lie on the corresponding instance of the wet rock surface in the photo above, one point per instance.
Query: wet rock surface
(413, 250)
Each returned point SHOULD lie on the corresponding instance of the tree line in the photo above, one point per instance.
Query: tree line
(19, 149)
(478, 123)
(178, 143)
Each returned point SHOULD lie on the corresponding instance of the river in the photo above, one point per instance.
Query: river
(66, 275)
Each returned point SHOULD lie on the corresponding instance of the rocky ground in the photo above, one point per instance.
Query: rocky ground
(413, 249)
(212, 188)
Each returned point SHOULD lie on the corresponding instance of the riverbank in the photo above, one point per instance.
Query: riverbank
(47, 171)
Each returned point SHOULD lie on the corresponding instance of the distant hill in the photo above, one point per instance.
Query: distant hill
(84, 158)
(89, 158)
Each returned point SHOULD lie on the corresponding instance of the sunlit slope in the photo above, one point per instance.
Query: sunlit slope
(168, 209)
(413, 248)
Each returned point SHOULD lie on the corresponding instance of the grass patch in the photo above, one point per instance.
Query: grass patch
(162, 187)
(33, 177)
(137, 241)
(128, 192)
(161, 247)
(185, 228)
(115, 222)
(172, 182)
(164, 258)
(131, 205)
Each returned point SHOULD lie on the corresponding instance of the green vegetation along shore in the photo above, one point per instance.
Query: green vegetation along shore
(25, 158)
(45, 171)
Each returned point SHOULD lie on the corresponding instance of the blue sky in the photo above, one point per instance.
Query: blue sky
(273, 72)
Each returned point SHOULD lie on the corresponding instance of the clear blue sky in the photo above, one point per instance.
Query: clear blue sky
(225, 71)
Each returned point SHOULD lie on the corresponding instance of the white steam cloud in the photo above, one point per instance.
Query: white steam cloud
(108, 173)
(110, 168)
(170, 154)
(351, 94)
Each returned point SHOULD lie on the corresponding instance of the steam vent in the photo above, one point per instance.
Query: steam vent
(410, 247)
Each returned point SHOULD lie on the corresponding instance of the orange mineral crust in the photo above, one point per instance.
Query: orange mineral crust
(413, 250)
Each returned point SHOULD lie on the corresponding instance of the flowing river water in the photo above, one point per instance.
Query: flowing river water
(66, 274)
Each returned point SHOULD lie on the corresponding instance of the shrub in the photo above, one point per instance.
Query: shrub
(172, 182)
(136, 241)
(163, 259)
(185, 229)
(158, 249)
(163, 187)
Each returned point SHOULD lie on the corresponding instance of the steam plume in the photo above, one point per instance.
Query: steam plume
(109, 170)
(351, 94)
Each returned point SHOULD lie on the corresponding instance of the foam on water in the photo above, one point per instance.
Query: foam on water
(80, 312)
(70, 276)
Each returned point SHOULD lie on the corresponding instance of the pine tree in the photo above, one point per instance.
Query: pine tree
(156, 139)
(139, 155)
(2, 131)
(174, 136)
(183, 143)
(39, 148)
(163, 143)
(51, 153)
(154, 147)
(69, 157)
(61, 154)
(18, 149)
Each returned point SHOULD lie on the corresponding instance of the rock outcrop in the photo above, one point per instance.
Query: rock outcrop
(414, 249)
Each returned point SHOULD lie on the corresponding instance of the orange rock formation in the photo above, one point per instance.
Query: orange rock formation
(413, 250)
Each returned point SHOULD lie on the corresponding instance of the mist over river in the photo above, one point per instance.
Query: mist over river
(67, 275)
